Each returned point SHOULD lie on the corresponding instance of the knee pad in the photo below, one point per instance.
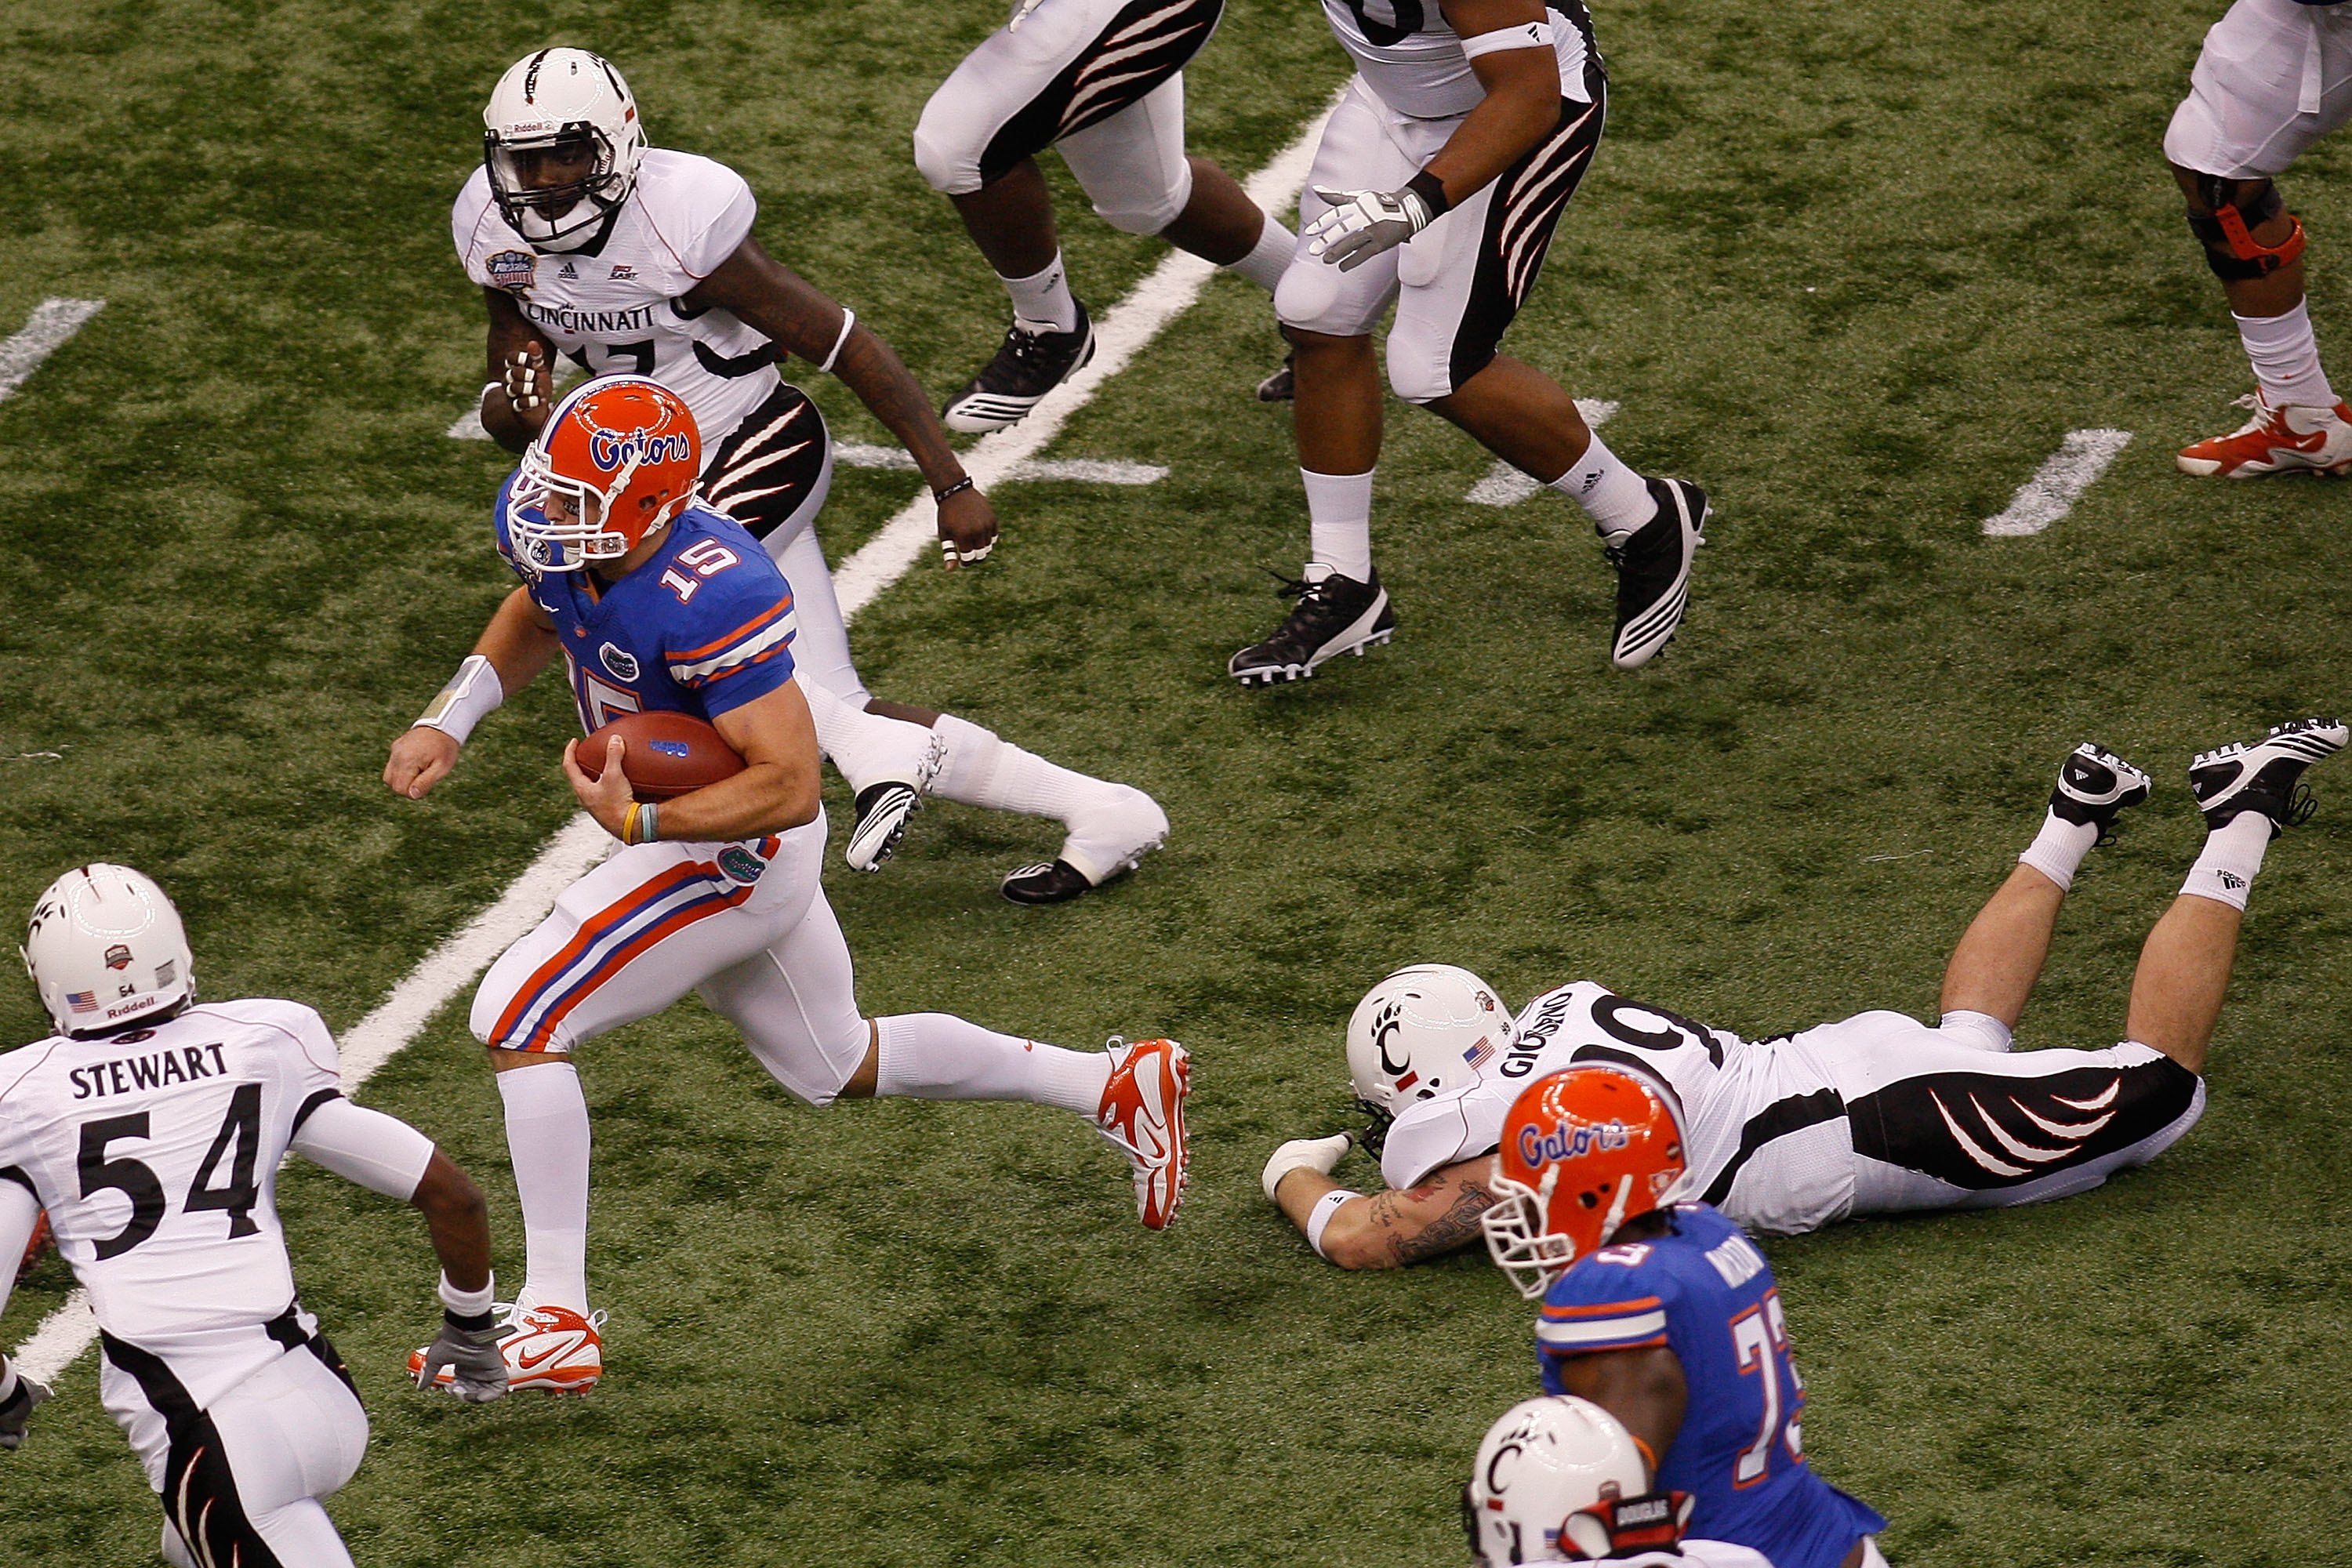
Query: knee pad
(2227, 234)
(947, 160)
(1416, 374)
(1135, 212)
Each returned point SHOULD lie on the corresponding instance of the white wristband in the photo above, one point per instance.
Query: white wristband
(471, 696)
(1526, 36)
(468, 1303)
(848, 319)
(1318, 1220)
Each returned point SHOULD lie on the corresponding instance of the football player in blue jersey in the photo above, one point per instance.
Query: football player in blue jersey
(658, 602)
(1665, 1314)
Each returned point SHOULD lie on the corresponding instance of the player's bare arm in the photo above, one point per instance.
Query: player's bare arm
(1522, 102)
(776, 791)
(521, 388)
(798, 316)
(1645, 1389)
(512, 649)
(1390, 1228)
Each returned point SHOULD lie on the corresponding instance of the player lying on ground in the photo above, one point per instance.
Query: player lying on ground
(1559, 1479)
(717, 891)
(2274, 75)
(1437, 188)
(1660, 1312)
(1102, 81)
(639, 260)
(1871, 1115)
(150, 1127)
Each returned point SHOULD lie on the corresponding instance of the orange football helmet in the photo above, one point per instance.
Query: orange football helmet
(619, 458)
(1583, 1151)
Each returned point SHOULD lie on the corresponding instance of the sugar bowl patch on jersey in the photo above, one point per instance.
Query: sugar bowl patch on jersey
(611, 305)
(703, 628)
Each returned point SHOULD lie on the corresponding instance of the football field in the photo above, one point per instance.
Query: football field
(1858, 268)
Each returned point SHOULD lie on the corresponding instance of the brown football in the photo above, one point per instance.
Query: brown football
(668, 754)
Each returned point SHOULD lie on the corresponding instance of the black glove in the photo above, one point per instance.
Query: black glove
(16, 1410)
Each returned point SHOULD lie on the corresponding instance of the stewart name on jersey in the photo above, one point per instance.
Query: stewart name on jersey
(1704, 1292)
(616, 304)
(704, 626)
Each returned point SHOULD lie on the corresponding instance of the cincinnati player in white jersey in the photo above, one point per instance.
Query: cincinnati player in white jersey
(717, 892)
(150, 1127)
(2274, 77)
(1436, 188)
(1102, 81)
(637, 259)
(1559, 1479)
(1875, 1114)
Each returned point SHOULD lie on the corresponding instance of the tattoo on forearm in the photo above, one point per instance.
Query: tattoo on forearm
(1457, 1226)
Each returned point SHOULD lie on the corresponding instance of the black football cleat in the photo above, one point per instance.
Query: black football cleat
(882, 813)
(1282, 387)
(2094, 787)
(1335, 616)
(2264, 775)
(1029, 363)
(1654, 564)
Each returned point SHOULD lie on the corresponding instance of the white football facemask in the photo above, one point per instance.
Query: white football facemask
(105, 947)
(1544, 1463)
(568, 107)
(1425, 1029)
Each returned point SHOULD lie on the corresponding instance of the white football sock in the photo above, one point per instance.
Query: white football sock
(1270, 258)
(2058, 849)
(2285, 356)
(2225, 871)
(982, 769)
(1616, 498)
(1340, 522)
(868, 748)
(1044, 298)
(547, 1138)
(938, 1056)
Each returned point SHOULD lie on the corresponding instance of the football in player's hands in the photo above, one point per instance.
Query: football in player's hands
(665, 754)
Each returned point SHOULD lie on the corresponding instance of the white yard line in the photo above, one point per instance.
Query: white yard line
(1506, 485)
(2053, 490)
(1086, 470)
(1123, 332)
(45, 331)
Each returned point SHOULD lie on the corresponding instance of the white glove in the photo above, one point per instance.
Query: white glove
(1305, 1154)
(1362, 224)
(16, 1410)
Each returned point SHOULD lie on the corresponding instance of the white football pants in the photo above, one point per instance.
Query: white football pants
(746, 926)
(2273, 77)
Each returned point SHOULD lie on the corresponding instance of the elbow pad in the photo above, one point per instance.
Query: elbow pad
(380, 1152)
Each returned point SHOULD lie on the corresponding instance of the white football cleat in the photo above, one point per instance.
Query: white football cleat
(884, 803)
(1142, 1112)
(2265, 775)
(552, 1349)
(2291, 438)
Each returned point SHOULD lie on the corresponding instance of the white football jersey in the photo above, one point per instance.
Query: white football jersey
(155, 1153)
(1411, 58)
(1720, 1079)
(616, 310)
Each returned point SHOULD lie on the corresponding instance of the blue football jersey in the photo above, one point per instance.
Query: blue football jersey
(704, 626)
(1705, 1292)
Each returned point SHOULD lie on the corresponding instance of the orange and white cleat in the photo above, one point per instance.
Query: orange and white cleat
(2291, 438)
(552, 1349)
(1143, 1113)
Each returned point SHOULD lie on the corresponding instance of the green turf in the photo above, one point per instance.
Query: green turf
(1854, 267)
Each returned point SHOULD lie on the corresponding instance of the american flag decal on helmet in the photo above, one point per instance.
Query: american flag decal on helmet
(1481, 1053)
(82, 1001)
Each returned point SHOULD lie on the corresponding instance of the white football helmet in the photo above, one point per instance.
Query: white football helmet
(1426, 1029)
(105, 947)
(562, 141)
(1558, 1480)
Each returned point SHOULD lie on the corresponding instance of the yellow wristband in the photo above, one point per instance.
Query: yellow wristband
(629, 825)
